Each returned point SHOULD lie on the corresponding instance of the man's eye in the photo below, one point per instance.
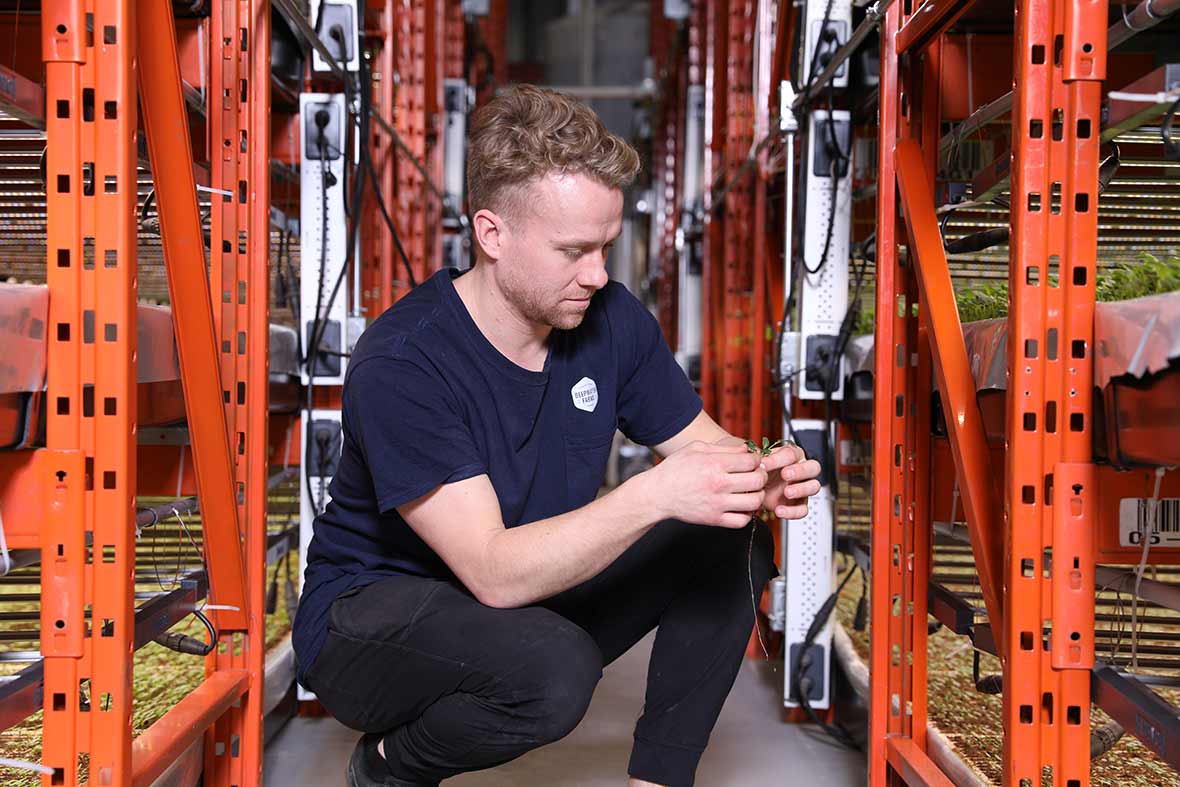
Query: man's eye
(573, 254)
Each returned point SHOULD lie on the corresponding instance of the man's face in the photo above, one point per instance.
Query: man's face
(555, 248)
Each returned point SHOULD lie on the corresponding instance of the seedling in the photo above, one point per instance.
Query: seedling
(765, 449)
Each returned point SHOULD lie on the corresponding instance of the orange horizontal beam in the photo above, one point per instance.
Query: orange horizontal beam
(22, 98)
(955, 382)
(166, 740)
(913, 765)
(929, 20)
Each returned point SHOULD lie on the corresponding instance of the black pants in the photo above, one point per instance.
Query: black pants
(457, 686)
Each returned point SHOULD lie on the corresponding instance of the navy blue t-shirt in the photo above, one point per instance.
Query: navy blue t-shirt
(428, 401)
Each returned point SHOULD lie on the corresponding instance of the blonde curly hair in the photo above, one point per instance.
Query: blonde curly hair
(526, 133)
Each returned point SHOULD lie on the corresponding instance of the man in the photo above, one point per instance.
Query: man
(465, 585)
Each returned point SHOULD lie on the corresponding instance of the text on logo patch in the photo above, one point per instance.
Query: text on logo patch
(585, 395)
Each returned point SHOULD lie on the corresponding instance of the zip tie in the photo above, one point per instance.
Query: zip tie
(180, 472)
(221, 606)
(25, 765)
(210, 190)
(5, 560)
(1161, 97)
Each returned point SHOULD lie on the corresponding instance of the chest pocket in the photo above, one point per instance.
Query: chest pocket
(585, 463)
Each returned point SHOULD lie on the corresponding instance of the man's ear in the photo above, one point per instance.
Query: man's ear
(489, 230)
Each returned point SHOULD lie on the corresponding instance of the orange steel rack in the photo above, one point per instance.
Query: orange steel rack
(1026, 478)
(125, 82)
(1047, 485)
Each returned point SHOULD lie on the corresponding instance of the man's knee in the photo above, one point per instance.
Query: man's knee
(556, 680)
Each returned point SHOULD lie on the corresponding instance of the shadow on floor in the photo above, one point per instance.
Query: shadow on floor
(750, 747)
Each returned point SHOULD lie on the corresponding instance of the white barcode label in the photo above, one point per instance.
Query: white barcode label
(1136, 522)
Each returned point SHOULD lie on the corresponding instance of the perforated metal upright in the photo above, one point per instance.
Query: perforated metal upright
(238, 103)
(1041, 615)
(1049, 493)
(87, 471)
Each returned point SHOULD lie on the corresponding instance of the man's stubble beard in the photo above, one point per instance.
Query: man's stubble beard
(532, 306)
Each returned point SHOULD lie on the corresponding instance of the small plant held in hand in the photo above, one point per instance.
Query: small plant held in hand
(765, 449)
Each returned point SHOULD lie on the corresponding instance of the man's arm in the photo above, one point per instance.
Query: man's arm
(791, 473)
(513, 567)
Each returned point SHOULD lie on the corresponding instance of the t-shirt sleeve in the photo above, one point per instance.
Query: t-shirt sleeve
(409, 428)
(655, 400)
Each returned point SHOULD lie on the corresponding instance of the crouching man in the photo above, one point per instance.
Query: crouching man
(466, 584)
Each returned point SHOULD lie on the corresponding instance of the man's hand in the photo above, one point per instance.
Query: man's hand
(708, 485)
(791, 481)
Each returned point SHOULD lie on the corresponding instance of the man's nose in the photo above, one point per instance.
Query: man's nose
(594, 276)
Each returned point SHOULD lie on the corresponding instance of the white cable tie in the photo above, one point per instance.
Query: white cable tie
(1161, 97)
(180, 472)
(221, 606)
(25, 765)
(211, 190)
(5, 560)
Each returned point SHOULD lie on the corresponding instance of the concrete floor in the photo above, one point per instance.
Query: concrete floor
(750, 746)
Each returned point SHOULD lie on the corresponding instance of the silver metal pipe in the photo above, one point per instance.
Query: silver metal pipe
(150, 515)
(1146, 15)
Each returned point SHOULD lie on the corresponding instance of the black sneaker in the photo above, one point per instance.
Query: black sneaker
(366, 768)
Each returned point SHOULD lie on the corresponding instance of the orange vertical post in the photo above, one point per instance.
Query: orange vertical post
(1059, 61)
(891, 447)
(88, 467)
(736, 275)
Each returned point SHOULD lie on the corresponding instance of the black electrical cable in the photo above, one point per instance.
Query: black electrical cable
(311, 360)
(397, 241)
(802, 684)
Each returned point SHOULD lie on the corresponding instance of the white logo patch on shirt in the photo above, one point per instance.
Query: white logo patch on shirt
(585, 395)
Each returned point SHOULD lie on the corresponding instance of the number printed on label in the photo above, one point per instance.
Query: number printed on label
(1136, 521)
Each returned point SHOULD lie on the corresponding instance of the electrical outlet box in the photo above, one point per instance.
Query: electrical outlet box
(341, 16)
(314, 482)
(809, 546)
(833, 150)
(823, 295)
(327, 364)
(323, 138)
(827, 38)
(324, 440)
(820, 364)
(323, 238)
(816, 670)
